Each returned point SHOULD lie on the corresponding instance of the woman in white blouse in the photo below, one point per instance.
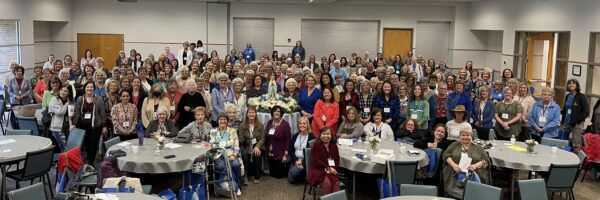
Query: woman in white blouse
(377, 127)
(88, 59)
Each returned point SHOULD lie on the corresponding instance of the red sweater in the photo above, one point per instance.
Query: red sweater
(331, 113)
(319, 156)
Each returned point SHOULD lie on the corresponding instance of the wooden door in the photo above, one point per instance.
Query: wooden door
(540, 51)
(106, 46)
(397, 42)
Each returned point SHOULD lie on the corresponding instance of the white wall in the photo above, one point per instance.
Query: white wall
(26, 11)
(577, 16)
(148, 26)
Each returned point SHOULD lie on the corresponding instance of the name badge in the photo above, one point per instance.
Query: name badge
(299, 153)
(397, 72)
(272, 131)
(500, 95)
(125, 124)
(253, 141)
(172, 108)
(386, 110)
(222, 144)
(413, 116)
(87, 116)
(330, 162)
(324, 118)
(542, 119)
(569, 111)
(248, 56)
(367, 110)
(471, 120)
(504, 115)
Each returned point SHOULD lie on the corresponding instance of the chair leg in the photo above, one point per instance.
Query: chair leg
(584, 172)
(304, 191)
(315, 194)
(50, 186)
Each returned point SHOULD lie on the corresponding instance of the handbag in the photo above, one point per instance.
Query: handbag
(184, 137)
(46, 116)
(456, 185)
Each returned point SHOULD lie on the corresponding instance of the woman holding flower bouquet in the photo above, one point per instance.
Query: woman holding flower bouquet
(327, 113)
(226, 138)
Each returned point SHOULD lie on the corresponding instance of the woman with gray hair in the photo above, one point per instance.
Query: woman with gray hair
(188, 102)
(291, 89)
(161, 125)
(220, 95)
(239, 98)
(544, 118)
(100, 80)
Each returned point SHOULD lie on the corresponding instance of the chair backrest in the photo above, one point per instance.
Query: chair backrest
(35, 191)
(402, 172)
(307, 160)
(475, 136)
(492, 134)
(38, 162)
(29, 123)
(2, 106)
(75, 139)
(339, 195)
(438, 162)
(18, 132)
(555, 142)
(418, 190)
(477, 191)
(533, 189)
(582, 156)
(111, 142)
(562, 176)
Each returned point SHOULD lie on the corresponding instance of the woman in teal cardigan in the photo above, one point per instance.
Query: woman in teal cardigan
(418, 108)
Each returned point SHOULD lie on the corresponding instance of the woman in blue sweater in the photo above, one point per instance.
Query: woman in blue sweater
(390, 104)
(483, 113)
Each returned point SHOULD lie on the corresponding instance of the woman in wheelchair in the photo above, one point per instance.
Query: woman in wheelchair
(224, 137)
(325, 160)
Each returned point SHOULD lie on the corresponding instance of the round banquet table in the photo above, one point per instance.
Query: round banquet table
(503, 156)
(349, 161)
(292, 119)
(15, 148)
(128, 196)
(413, 197)
(541, 160)
(145, 162)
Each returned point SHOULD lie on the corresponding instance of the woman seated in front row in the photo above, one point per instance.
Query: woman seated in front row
(325, 161)
(161, 125)
(351, 126)
(200, 128)
(438, 140)
(410, 132)
(377, 127)
(225, 137)
(299, 141)
(463, 149)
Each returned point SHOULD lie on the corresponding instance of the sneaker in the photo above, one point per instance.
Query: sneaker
(238, 193)
(256, 180)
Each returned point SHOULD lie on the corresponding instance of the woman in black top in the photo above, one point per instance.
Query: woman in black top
(90, 115)
(438, 140)
(188, 102)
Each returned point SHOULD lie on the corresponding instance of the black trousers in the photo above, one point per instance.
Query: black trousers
(90, 143)
(483, 133)
(253, 164)
(127, 137)
(276, 168)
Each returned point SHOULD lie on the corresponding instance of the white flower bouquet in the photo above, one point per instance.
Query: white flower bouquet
(161, 141)
(374, 142)
(265, 104)
(530, 145)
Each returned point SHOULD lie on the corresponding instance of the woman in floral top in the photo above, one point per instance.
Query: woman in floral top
(225, 137)
(124, 117)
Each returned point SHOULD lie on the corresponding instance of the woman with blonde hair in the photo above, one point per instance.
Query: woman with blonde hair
(523, 97)
(297, 144)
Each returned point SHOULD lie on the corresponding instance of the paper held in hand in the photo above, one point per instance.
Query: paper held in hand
(464, 162)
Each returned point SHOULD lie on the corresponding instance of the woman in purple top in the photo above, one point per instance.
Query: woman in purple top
(278, 135)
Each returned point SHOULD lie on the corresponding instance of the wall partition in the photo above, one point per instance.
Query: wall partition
(322, 37)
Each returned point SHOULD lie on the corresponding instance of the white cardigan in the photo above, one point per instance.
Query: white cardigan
(190, 57)
(387, 134)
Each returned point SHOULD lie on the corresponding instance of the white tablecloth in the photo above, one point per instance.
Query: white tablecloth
(502, 156)
(348, 160)
(145, 162)
(292, 119)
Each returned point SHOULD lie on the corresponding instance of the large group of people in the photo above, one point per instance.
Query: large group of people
(204, 93)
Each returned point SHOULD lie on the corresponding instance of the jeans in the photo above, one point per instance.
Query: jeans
(57, 136)
(575, 136)
(235, 167)
(296, 175)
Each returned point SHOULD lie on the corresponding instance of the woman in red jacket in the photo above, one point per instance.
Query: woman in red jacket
(327, 113)
(325, 160)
